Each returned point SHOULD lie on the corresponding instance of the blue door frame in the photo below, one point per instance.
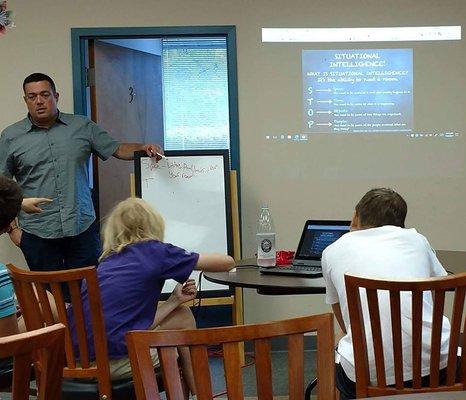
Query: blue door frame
(79, 43)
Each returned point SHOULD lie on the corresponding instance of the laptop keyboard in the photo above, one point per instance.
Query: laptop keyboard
(294, 270)
(301, 268)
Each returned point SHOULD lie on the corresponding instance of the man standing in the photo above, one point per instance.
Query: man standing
(380, 247)
(47, 153)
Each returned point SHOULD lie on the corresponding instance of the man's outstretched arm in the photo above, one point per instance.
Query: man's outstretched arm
(125, 151)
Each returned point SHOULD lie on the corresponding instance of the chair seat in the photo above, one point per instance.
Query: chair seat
(6, 372)
(78, 389)
(75, 389)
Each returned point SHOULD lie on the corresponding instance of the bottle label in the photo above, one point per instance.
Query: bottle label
(266, 245)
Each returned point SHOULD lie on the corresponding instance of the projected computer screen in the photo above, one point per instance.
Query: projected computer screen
(361, 104)
(357, 91)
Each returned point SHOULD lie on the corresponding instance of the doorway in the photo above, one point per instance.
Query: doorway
(118, 82)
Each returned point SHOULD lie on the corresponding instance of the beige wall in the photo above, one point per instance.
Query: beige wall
(41, 42)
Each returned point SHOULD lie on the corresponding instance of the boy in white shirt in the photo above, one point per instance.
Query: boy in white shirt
(380, 247)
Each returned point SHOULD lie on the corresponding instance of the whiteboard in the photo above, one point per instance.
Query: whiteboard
(190, 189)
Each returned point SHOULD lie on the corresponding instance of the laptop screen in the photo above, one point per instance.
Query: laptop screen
(317, 235)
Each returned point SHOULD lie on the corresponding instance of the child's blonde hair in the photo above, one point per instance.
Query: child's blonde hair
(131, 221)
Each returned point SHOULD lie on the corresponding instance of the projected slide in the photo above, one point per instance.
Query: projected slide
(357, 91)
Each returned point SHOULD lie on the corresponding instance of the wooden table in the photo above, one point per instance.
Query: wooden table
(247, 275)
(425, 396)
(453, 261)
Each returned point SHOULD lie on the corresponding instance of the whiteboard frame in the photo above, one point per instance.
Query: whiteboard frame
(139, 155)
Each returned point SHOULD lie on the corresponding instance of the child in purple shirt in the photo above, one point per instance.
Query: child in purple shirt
(133, 268)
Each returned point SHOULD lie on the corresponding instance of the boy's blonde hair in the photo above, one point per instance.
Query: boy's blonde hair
(131, 221)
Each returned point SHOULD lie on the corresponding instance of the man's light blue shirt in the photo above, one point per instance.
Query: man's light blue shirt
(53, 163)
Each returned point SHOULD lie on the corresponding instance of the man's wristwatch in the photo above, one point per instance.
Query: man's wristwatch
(12, 228)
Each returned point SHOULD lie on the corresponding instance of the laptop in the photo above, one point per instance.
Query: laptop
(316, 236)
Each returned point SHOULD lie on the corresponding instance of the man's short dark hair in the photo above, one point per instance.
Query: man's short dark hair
(38, 77)
(381, 206)
(11, 197)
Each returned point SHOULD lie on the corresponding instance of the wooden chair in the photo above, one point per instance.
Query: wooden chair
(438, 287)
(139, 343)
(50, 342)
(30, 288)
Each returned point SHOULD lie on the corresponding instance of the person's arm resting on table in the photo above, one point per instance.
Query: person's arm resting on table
(214, 262)
(125, 151)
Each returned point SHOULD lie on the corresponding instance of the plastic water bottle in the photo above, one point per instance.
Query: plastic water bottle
(266, 253)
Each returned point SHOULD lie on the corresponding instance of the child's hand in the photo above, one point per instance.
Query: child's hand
(189, 287)
(185, 292)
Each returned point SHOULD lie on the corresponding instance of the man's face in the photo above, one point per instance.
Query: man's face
(41, 102)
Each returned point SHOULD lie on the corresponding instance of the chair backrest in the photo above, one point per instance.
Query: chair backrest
(37, 308)
(139, 343)
(50, 342)
(393, 290)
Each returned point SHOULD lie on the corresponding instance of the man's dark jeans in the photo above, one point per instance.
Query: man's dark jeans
(63, 253)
